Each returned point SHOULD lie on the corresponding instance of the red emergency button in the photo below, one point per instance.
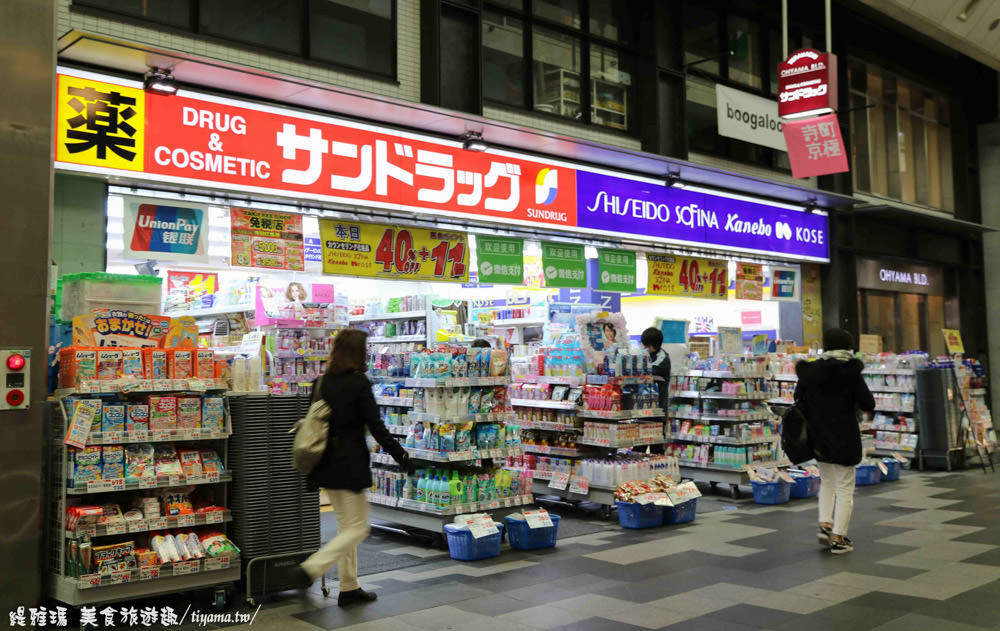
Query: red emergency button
(15, 398)
(15, 361)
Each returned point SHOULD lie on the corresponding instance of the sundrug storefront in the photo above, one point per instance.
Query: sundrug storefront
(240, 192)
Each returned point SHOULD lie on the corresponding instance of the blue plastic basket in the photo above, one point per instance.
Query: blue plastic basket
(680, 514)
(632, 515)
(805, 486)
(462, 546)
(895, 467)
(771, 492)
(522, 537)
(867, 475)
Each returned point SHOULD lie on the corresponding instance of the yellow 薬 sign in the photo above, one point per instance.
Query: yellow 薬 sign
(100, 124)
(354, 248)
(687, 276)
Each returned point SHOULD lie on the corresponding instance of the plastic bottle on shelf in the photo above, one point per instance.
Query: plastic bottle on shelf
(421, 487)
(456, 489)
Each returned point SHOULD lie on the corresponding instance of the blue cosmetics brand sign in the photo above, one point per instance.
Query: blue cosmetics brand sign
(686, 217)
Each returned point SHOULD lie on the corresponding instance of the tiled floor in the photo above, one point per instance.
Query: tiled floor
(927, 557)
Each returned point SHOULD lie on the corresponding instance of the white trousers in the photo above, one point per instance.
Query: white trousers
(351, 510)
(836, 496)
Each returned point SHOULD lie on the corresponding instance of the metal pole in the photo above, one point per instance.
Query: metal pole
(784, 29)
(829, 26)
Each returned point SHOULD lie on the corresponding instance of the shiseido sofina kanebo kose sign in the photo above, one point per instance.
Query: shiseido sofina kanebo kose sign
(111, 126)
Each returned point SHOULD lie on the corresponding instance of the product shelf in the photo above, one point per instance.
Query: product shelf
(134, 387)
(871, 428)
(398, 339)
(889, 371)
(685, 394)
(891, 449)
(723, 440)
(685, 417)
(596, 494)
(309, 357)
(725, 374)
(600, 380)
(153, 525)
(746, 396)
(551, 427)
(617, 415)
(402, 402)
(897, 410)
(543, 403)
(380, 317)
(780, 401)
(455, 509)
(549, 450)
(621, 444)
(977, 392)
(162, 481)
(154, 436)
(212, 311)
(892, 389)
(784, 377)
(711, 466)
(385, 378)
(450, 456)
(742, 418)
(489, 417)
(145, 582)
(515, 322)
(455, 382)
(551, 380)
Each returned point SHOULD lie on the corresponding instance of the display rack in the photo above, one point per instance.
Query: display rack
(94, 588)
(382, 326)
(894, 426)
(734, 404)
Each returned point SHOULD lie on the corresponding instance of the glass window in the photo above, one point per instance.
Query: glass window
(901, 141)
(355, 33)
(565, 12)
(610, 78)
(517, 5)
(702, 123)
(274, 24)
(171, 12)
(503, 59)
(744, 52)
(556, 70)
(611, 20)
(701, 36)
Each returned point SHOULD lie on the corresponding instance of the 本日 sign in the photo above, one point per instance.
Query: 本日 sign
(807, 84)
(748, 117)
(353, 248)
(164, 231)
(686, 276)
(111, 126)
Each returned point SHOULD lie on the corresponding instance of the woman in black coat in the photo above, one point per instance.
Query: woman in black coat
(343, 472)
(830, 393)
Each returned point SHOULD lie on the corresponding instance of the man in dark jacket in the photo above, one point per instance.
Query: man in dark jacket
(830, 393)
(659, 361)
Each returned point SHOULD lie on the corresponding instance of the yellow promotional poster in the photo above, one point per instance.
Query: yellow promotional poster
(953, 340)
(812, 307)
(749, 281)
(354, 248)
(100, 124)
(120, 327)
(687, 276)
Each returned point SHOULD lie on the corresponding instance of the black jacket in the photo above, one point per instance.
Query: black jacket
(830, 393)
(661, 370)
(346, 461)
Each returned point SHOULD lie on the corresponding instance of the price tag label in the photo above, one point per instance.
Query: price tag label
(212, 476)
(162, 384)
(89, 580)
(158, 523)
(86, 531)
(579, 485)
(160, 434)
(185, 521)
(117, 484)
(121, 576)
(140, 435)
(114, 437)
(213, 564)
(94, 486)
(559, 481)
(537, 518)
(214, 517)
(147, 482)
(128, 384)
(186, 567)
(197, 478)
(115, 529)
(482, 527)
(196, 385)
(138, 526)
(174, 480)
(149, 573)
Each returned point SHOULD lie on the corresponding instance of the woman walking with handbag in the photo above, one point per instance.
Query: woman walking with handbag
(343, 472)
(830, 393)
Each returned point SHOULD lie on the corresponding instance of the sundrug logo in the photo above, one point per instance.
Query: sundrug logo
(546, 186)
(166, 229)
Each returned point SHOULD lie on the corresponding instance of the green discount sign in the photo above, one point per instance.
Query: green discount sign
(500, 260)
(615, 270)
(565, 265)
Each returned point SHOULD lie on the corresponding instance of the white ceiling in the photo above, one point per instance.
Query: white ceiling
(939, 19)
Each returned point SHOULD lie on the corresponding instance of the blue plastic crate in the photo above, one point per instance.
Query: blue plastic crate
(680, 514)
(771, 492)
(462, 546)
(632, 515)
(522, 537)
(805, 486)
(895, 467)
(867, 475)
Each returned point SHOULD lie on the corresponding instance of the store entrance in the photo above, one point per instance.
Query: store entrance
(906, 321)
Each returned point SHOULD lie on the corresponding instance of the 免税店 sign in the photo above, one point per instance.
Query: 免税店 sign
(807, 84)
(111, 126)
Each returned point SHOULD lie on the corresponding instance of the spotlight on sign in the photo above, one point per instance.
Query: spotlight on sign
(160, 82)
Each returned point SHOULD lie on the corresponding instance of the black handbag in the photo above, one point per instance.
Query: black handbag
(795, 435)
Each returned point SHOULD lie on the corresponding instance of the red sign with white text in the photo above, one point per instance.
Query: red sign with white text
(195, 138)
(815, 146)
(807, 84)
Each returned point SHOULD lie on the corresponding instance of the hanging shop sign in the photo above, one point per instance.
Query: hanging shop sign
(749, 281)
(264, 238)
(161, 231)
(894, 275)
(500, 260)
(353, 248)
(748, 117)
(689, 276)
(815, 146)
(784, 283)
(615, 270)
(111, 126)
(807, 84)
(688, 216)
(564, 265)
